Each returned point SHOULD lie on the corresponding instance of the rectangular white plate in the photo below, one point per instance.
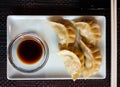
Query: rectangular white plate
(54, 69)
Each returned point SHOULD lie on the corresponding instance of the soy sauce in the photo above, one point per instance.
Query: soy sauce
(29, 51)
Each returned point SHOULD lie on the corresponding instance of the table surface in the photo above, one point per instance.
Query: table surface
(56, 7)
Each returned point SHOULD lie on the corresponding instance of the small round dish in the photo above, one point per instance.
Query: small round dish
(15, 60)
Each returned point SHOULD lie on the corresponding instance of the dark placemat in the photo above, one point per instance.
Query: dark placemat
(54, 7)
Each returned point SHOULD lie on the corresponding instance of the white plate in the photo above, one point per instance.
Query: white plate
(54, 68)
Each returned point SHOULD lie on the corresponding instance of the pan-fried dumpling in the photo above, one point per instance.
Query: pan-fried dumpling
(93, 59)
(79, 53)
(89, 29)
(71, 30)
(71, 62)
(62, 34)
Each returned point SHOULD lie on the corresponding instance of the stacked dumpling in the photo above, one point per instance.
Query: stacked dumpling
(80, 57)
(90, 32)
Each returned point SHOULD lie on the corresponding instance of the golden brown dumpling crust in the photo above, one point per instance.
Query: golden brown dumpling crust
(61, 33)
(93, 59)
(89, 29)
(79, 53)
(71, 30)
(71, 62)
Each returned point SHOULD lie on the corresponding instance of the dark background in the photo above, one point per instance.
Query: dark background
(53, 7)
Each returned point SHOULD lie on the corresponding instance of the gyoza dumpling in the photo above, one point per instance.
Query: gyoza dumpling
(89, 29)
(71, 62)
(62, 34)
(71, 30)
(93, 59)
(79, 53)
